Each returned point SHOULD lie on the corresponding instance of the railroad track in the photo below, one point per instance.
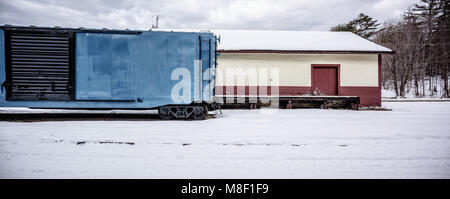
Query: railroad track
(36, 117)
(42, 117)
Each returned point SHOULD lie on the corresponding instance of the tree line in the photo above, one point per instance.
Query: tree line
(420, 40)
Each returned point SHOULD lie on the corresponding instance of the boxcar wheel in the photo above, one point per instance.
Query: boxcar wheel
(164, 113)
(199, 113)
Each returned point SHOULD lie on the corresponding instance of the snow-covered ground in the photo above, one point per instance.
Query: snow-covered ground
(389, 92)
(412, 141)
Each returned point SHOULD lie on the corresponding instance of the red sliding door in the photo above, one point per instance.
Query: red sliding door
(325, 80)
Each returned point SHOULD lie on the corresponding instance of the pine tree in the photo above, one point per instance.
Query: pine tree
(342, 27)
(362, 25)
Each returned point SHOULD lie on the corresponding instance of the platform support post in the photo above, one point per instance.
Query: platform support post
(289, 105)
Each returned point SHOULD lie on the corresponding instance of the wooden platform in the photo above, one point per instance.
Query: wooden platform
(252, 102)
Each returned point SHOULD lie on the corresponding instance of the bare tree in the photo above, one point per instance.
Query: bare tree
(444, 34)
(420, 39)
(407, 40)
(427, 12)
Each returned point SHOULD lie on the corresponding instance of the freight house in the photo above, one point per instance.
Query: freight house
(311, 65)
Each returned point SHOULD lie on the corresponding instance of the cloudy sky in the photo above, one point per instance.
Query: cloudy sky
(205, 14)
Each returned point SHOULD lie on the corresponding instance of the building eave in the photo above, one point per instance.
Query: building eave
(305, 51)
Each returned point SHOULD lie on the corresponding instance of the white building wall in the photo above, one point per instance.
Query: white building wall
(295, 69)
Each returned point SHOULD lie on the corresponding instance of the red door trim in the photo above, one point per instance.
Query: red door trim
(338, 68)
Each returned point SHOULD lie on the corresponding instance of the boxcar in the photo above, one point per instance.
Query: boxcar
(108, 69)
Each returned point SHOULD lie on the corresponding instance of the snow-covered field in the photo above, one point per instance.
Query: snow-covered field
(436, 91)
(412, 141)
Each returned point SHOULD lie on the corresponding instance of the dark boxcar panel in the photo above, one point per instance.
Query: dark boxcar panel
(39, 64)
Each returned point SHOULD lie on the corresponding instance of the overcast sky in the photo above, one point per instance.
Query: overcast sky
(206, 14)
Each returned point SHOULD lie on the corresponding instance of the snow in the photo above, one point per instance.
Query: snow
(294, 41)
(412, 141)
(436, 91)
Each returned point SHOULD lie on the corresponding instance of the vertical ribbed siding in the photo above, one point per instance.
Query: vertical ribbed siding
(39, 65)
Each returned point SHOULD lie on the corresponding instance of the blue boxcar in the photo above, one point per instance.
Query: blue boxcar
(90, 68)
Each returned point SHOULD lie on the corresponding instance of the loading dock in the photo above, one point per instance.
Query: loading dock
(289, 102)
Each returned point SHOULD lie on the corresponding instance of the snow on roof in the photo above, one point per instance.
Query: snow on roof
(310, 41)
(295, 41)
